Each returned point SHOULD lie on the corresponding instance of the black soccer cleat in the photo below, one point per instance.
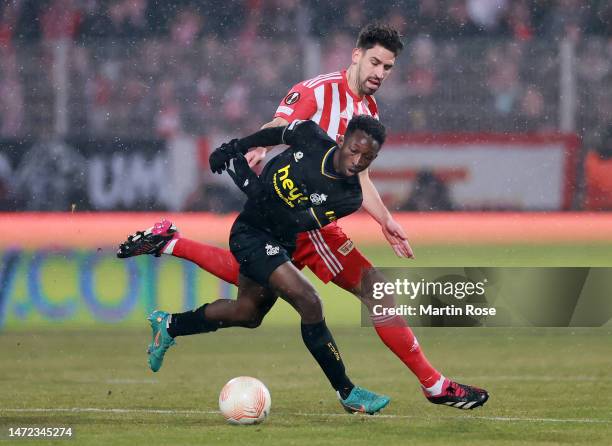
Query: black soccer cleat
(460, 396)
(151, 241)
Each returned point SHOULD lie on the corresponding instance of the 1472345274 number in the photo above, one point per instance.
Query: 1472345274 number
(39, 431)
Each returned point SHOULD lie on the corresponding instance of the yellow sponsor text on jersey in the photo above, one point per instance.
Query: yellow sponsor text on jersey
(285, 187)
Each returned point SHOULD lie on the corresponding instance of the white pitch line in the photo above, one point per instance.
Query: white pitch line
(535, 378)
(99, 410)
(131, 381)
(301, 414)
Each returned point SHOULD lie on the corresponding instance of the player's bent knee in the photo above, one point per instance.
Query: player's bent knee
(311, 297)
(253, 323)
(368, 279)
(311, 305)
(246, 314)
(250, 316)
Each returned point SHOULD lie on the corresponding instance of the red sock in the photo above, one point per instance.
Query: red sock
(217, 261)
(396, 335)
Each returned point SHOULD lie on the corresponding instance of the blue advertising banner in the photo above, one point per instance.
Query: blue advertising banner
(91, 286)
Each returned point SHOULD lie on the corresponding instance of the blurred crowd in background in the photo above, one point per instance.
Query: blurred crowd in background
(188, 20)
(163, 67)
(153, 68)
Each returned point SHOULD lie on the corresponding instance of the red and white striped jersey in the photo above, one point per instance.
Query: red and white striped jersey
(326, 100)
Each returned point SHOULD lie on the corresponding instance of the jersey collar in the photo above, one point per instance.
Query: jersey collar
(327, 165)
(347, 88)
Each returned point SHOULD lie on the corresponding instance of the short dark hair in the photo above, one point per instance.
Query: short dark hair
(368, 125)
(380, 34)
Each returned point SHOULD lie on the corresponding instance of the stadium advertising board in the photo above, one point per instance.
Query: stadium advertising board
(481, 171)
(477, 171)
(95, 175)
(60, 286)
(60, 269)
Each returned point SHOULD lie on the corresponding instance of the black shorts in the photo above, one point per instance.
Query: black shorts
(257, 251)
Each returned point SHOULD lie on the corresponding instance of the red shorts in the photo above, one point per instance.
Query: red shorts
(331, 255)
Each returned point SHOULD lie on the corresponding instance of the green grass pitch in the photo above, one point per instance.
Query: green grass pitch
(547, 386)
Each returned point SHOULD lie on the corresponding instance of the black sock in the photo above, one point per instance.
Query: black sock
(190, 322)
(321, 345)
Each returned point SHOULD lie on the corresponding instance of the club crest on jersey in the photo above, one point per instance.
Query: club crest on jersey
(298, 156)
(272, 250)
(317, 199)
(292, 98)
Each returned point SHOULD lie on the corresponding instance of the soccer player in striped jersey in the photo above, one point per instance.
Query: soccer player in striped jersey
(331, 100)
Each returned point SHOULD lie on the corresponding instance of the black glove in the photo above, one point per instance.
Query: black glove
(220, 158)
(246, 180)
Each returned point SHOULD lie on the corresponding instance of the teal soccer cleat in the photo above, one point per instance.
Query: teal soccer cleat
(361, 400)
(161, 342)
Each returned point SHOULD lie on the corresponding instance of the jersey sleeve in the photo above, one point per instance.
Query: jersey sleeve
(270, 136)
(303, 133)
(300, 103)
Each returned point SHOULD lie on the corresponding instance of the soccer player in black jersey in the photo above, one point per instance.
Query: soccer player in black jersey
(309, 185)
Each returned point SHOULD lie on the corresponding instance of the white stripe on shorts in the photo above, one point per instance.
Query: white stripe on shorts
(325, 252)
(315, 242)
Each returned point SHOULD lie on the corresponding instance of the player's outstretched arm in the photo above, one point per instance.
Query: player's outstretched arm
(258, 154)
(269, 136)
(220, 158)
(392, 230)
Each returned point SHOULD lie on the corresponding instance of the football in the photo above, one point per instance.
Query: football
(245, 400)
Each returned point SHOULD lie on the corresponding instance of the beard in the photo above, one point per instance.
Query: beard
(369, 90)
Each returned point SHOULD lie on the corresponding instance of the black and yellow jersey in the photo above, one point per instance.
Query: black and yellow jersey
(302, 189)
